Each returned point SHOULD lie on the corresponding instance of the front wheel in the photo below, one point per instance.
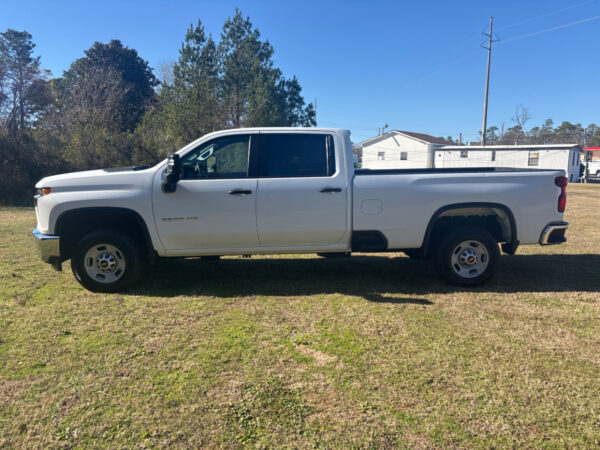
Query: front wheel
(106, 261)
(467, 256)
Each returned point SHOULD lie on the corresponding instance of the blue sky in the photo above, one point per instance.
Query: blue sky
(413, 65)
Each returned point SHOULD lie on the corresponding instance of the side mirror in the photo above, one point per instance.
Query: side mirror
(172, 174)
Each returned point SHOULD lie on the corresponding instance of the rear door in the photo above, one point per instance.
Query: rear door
(302, 191)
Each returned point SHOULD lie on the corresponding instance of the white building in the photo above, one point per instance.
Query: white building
(400, 150)
(560, 156)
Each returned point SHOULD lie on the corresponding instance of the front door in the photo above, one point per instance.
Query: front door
(214, 205)
(302, 193)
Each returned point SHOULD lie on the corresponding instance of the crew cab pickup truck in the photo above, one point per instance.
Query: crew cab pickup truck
(290, 190)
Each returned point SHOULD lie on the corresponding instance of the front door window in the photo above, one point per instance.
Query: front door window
(225, 157)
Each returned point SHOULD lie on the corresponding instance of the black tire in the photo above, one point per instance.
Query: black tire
(460, 256)
(118, 246)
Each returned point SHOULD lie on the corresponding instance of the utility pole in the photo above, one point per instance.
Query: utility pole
(315, 111)
(586, 174)
(459, 138)
(487, 81)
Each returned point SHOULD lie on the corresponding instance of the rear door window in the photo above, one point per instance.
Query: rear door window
(296, 155)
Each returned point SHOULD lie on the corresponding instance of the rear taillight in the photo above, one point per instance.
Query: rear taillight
(562, 182)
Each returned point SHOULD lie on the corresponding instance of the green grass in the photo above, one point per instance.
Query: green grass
(305, 352)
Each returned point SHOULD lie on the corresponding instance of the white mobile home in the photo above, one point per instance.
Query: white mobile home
(400, 150)
(560, 156)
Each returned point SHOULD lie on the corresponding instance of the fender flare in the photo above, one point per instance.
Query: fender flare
(509, 248)
(106, 210)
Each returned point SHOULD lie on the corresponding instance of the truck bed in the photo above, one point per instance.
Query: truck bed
(399, 203)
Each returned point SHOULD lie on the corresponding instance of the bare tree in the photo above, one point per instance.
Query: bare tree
(165, 72)
(521, 117)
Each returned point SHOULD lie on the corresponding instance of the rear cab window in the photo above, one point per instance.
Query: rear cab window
(289, 155)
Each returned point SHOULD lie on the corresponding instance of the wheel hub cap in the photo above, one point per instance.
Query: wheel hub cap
(469, 259)
(104, 263)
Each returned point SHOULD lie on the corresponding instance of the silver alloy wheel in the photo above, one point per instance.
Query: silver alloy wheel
(104, 263)
(469, 259)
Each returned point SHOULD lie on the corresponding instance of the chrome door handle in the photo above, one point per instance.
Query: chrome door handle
(240, 192)
(330, 189)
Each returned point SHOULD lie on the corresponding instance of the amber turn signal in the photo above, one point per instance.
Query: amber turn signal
(46, 191)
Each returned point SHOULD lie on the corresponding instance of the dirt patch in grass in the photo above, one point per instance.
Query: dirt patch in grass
(12, 390)
(319, 358)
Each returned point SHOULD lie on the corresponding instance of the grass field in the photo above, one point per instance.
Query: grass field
(305, 352)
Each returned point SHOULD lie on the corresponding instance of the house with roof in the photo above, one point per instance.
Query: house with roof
(400, 150)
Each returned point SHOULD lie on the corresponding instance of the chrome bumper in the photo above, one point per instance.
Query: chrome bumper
(554, 233)
(48, 248)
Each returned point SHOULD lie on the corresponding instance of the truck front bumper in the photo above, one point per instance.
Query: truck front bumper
(554, 233)
(48, 248)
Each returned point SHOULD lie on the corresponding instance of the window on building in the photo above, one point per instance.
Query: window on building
(296, 155)
(464, 153)
(403, 156)
(381, 156)
(575, 153)
(534, 158)
(493, 155)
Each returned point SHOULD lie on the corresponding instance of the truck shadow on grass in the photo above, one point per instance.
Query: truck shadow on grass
(375, 278)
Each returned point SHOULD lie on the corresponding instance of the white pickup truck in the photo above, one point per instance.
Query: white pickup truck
(290, 190)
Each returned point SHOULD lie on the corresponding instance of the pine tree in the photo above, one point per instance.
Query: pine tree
(296, 113)
(24, 97)
(195, 91)
(246, 69)
(254, 91)
(23, 88)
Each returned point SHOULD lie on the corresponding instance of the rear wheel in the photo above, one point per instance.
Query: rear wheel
(467, 256)
(106, 261)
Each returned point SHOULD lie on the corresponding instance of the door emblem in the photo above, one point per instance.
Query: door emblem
(177, 219)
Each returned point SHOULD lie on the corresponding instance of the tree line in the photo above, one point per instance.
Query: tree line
(111, 109)
(547, 133)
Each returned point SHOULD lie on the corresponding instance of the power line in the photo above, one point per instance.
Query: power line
(545, 15)
(548, 30)
(523, 22)
(531, 19)
(456, 61)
